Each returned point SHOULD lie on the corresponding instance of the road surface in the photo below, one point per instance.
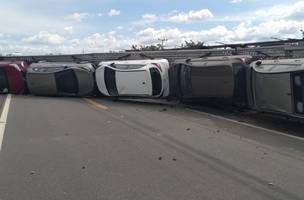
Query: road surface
(71, 148)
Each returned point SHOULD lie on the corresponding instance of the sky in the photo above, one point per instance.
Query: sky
(36, 27)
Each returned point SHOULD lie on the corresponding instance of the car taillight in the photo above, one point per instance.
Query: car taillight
(298, 81)
(158, 66)
(300, 107)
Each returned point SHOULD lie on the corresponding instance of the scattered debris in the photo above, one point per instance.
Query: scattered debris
(270, 184)
(164, 109)
(188, 129)
(160, 158)
(218, 131)
(67, 134)
(174, 159)
(265, 153)
(83, 167)
(33, 172)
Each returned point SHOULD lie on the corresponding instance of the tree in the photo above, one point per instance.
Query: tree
(192, 45)
(156, 47)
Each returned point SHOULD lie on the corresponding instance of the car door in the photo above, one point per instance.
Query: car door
(133, 83)
(273, 92)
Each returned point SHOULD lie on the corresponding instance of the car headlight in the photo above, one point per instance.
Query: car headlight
(298, 81)
(300, 107)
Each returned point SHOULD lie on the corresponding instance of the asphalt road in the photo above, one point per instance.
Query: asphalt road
(69, 148)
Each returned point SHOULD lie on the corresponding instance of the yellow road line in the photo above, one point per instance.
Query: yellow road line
(3, 117)
(97, 105)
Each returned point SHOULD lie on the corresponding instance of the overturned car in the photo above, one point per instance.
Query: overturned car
(212, 78)
(60, 78)
(12, 77)
(277, 86)
(134, 78)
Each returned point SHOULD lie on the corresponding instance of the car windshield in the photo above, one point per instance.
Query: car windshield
(110, 80)
(4, 86)
(66, 82)
(156, 81)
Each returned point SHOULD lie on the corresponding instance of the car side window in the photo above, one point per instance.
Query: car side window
(4, 86)
(66, 82)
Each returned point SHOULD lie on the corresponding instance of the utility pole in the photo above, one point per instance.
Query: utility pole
(163, 40)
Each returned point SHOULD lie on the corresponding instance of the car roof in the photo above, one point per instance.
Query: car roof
(278, 66)
(133, 62)
(214, 61)
(61, 64)
(2, 63)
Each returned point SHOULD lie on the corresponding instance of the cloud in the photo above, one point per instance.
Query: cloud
(14, 18)
(293, 12)
(114, 12)
(150, 17)
(191, 16)
(120, 27)
(44, 37)
(68, 29)
(243, 32)
(236, 1)
(78, 17)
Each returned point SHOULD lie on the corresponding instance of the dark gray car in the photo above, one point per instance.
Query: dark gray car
(60, 78)
(277, 86)
(213, 77)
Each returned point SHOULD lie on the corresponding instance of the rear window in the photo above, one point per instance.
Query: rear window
(4, 86)
(110, 80)
(156, 81)
(185, 80)
(66, 82)
(239, 71)
(298, 88)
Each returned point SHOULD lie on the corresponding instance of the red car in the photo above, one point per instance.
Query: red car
(12, 77)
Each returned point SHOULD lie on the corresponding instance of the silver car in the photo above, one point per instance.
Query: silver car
(60, 78)
(212, 77)
(277, 86)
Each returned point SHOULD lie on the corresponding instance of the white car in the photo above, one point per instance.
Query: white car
(134, 78)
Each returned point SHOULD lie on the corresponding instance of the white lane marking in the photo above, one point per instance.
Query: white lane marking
(3, 117)
(248, 125)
